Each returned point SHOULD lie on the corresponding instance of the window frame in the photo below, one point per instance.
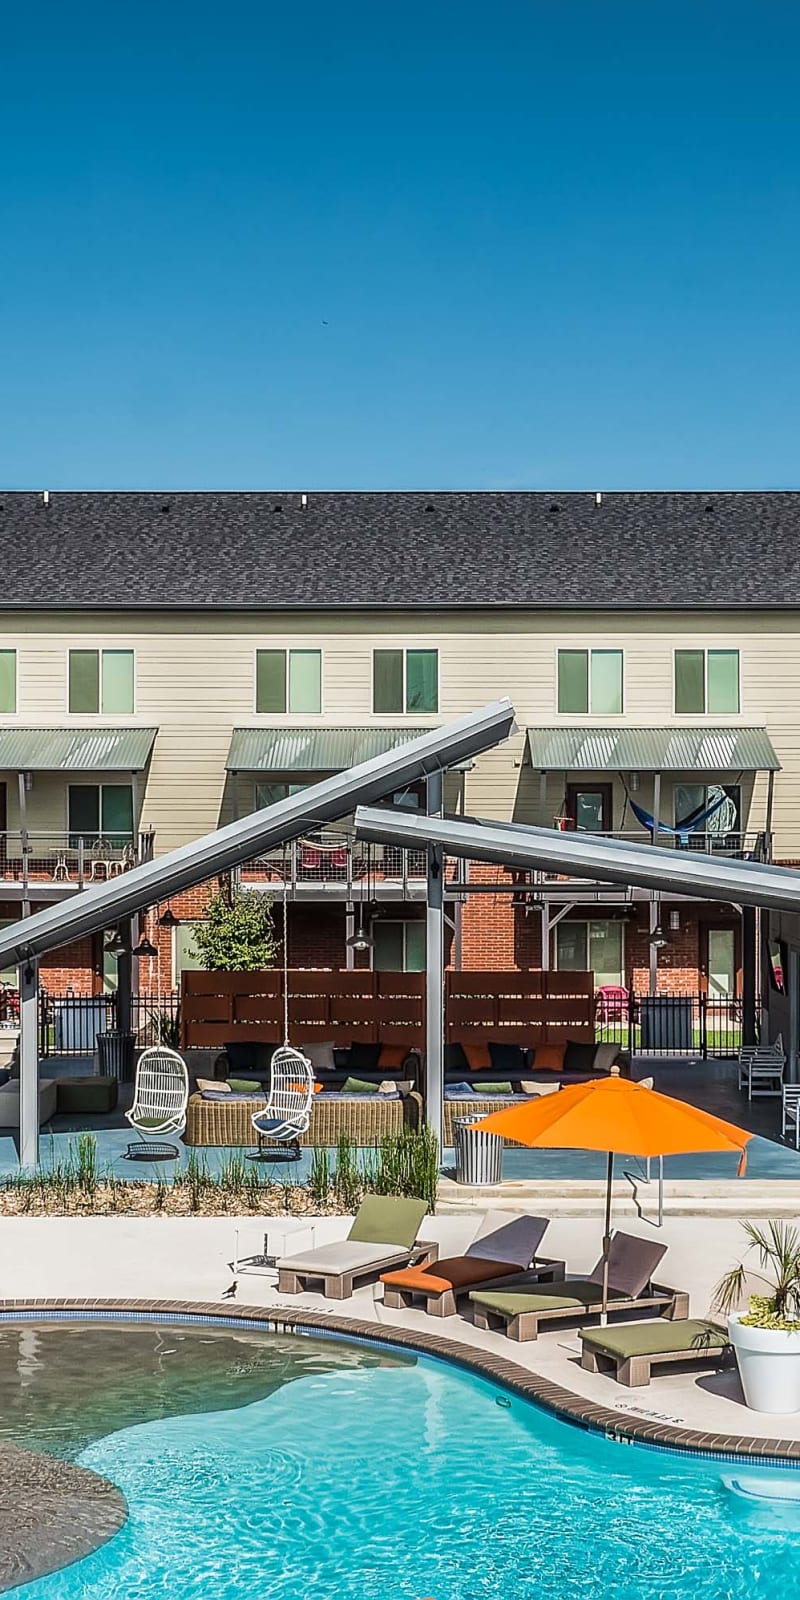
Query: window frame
(102, 833)
(403, 651)
(287, 650)
(403, 923)
(589, 651)
(706, 650)
(12, 650)
(100, 650)
(587, 922)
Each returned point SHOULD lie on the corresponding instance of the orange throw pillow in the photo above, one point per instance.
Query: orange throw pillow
(549, 1058)
(478, 1057)
(392, 1057)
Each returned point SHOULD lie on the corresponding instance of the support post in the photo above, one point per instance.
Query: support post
(29, 1065)
(24, 842)
(434, 1042)
(748, 975)
(770, 798)
(656, 807)
(794, 1012)
(653, 948)
(542, 799)
(545, 916)
(349, 931)
(124, 980)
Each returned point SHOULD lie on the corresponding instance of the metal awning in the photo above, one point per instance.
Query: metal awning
(325, 749)
(683, 749)
(75, 749)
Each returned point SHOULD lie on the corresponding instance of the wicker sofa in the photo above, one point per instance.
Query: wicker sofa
(366, 1119)
(583, 1062)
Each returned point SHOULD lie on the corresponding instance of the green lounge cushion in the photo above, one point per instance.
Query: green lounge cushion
(387, 1219)
(655, 1338)
(573, 1296)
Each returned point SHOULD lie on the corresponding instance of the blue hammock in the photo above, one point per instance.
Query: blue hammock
(685, 825)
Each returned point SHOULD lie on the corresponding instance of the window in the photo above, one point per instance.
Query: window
(708, 816)
(268, 794)
(8, 681)
(590, 810)
(184, 953)
(590, 681)
(101, 680)
(398, 946)
(706, 681)
(289, 680)
(100, 810)
(592, 947)
(405, 680)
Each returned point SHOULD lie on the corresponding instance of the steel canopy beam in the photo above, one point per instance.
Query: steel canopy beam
(94, 909)
(689, 872)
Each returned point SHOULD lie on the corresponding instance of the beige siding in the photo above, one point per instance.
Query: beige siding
(195, 679)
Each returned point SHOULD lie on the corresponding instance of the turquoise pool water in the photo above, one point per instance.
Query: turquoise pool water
(401, 1481)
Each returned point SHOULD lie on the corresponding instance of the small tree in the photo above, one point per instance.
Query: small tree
(238, 934)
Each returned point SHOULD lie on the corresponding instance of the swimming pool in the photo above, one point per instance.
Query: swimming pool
(360, 1474)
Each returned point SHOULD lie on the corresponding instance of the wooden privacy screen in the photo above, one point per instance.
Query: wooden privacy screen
(525, 1008)
(334, 1007)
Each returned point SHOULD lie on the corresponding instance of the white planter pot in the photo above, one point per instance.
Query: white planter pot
(769, 1366)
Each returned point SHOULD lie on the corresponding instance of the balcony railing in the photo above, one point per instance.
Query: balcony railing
(68, 860)
(330, 857)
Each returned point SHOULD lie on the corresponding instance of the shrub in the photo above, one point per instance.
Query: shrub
(238, 934)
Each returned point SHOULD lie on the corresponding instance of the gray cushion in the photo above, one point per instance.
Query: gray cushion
(348, 1256)
(508, 1236)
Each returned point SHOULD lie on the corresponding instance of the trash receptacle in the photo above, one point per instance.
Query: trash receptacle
(479, 1155)
(115, 1055)
(667, 1022)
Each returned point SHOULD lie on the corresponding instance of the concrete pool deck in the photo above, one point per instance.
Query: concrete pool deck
(188, 1260)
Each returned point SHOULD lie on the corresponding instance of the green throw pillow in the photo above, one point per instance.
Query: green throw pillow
(492, 1088)
(358, 1086)
(245, 1086)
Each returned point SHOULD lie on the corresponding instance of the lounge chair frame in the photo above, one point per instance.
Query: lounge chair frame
(524, 1325)
(544, 1270)
(634, 1370)
(339, 1286)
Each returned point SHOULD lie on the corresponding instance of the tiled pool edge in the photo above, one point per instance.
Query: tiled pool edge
(552, 1397)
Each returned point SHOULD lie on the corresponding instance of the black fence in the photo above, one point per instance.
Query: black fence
(69, 1023)
(672, 1024)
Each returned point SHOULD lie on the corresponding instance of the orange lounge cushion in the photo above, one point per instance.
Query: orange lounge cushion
(457, 1272)
(549, 1058)
(392, 1057)
(478, 1057)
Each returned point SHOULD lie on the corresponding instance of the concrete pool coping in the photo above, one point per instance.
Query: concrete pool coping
(509, 1375)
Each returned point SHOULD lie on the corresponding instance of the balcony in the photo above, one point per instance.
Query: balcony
(50, 866)
(331, 864)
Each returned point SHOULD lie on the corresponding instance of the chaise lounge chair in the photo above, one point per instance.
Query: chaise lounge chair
(504, 1247)
(383, 1234)
(632, 1262)
(628, 1352)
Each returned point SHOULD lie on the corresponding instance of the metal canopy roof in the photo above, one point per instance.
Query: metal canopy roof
(683, 749)
(75, 749)
(583, 855)
(336, 796)
(322, 749)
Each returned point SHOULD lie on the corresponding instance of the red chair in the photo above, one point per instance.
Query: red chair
(612, 1002)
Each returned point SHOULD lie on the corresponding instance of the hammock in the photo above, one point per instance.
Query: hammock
(685, 825)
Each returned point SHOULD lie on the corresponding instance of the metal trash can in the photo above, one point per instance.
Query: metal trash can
(479, 1155)
(666, 1022)
(115, 1055)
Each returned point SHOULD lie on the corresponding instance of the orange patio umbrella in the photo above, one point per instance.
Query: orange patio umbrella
(621, 1117)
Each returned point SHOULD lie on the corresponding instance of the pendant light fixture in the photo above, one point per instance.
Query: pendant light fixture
(168, 919)
(145, 947)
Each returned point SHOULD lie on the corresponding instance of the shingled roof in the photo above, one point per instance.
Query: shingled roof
(399, 550)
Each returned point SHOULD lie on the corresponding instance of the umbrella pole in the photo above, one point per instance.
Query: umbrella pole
(607, 1238)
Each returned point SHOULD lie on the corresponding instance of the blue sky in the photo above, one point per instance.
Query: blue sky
(506, 245)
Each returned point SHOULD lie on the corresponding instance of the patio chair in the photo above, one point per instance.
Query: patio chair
(505, 1247)
(632, 1262)
(628, 1352)
(791, 1112)
(383, 1234)
(287, 1113)
(160, 1098)
(762, 1065)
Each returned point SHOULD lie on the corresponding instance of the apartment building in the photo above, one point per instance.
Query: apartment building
(168, 662)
